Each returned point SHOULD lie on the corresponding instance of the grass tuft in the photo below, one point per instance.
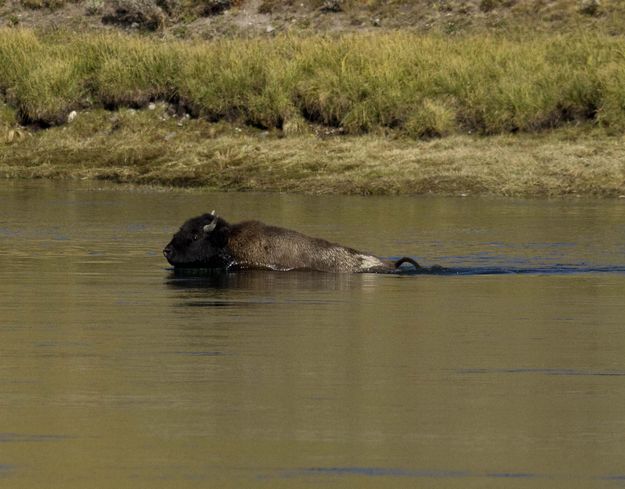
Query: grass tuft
(134, 73)
(422, 86)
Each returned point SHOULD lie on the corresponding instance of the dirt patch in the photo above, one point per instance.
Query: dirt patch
(266, 17)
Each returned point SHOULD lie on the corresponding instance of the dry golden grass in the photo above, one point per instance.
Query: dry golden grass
(149, 147)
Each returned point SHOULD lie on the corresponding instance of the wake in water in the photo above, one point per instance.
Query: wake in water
(503, 270)
(433, 270)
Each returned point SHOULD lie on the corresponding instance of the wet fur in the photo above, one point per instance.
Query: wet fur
(252, 244)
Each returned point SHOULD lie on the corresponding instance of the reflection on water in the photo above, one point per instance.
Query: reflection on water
(189, 279)
(544, 371)
(506, 370)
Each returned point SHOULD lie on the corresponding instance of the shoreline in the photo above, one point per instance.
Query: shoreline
(369, 114)
(138, 147)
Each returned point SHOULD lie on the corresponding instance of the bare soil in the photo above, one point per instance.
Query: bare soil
(268, 17)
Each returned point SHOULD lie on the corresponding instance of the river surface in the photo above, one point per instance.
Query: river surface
(506, 372)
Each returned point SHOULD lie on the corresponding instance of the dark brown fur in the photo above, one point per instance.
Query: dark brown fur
(208, 241)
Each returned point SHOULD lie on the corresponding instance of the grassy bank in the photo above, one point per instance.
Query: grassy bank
(374, 113)
(419, 86)
(151, 147)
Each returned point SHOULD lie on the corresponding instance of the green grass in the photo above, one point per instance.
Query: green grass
(413, 114)
(420, 86)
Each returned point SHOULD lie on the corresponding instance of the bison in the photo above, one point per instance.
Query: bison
(208, 241)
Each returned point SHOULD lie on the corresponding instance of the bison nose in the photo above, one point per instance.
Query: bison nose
(167, 252)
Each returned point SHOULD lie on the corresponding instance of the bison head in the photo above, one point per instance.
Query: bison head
(200, 243)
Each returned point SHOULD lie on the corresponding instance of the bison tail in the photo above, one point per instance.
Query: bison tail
(407, 259)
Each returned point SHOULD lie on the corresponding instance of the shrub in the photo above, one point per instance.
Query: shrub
(433, 118)
(236, 80)
(214, 7)
(7, 116)
(611, 112)
(39, 4)
(142, 13)
(136, 72)
(590, 7)
(19, 50)
(48, 92)
(94, 7)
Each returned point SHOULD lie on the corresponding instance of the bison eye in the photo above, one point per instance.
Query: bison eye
(195, 237)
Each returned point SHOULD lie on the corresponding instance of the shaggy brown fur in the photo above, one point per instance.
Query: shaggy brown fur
(208, 241)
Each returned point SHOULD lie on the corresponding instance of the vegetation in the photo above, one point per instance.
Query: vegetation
(253, 17)
(274, 102)
(159, 148)
(420, 86)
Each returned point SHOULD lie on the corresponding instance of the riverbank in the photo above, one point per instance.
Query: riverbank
(153, 147)
(388, 113)
(419, 86)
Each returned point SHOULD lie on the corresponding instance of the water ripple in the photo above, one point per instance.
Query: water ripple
(503, 270)
(363, 471)
(544, 371)
(29, 438)
(401, 473)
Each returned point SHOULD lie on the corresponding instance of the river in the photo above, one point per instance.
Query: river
(508, 371)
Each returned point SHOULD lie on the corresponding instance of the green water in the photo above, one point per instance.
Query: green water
(116, 373)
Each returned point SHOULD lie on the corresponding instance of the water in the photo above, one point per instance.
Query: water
(507, 372)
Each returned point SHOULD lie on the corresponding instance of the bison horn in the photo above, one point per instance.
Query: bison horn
(213, 212)
(210, 227)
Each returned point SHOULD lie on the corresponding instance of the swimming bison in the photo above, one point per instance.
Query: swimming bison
(209, 241)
